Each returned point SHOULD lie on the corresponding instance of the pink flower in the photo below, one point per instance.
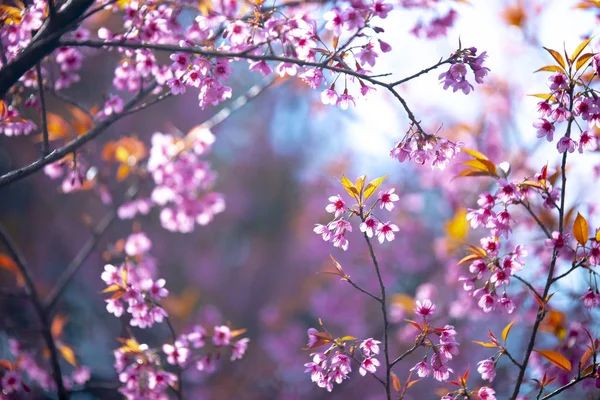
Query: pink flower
(345, 100)
(425, 308)
(197, 337)
(239, 349)
(323, 230)
(487, 302)
(222, 335)
(369, 364)
(11, 382)
(590, 299)
(370, 347)
(329, 96)
(486, 393)
(545, 128)
(313, 77)
(387, 199)
(423, 369)
(566, 144)
(339, 240)
(594, 253)
(369, 226)
(337, 206)
(177, 353)
(137, 244)
(111, 274)
(487, 369)
(386, 231)
(587, 141)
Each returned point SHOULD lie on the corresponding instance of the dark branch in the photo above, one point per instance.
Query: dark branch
(39, 308)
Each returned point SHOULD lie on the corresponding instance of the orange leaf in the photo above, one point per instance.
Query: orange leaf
(411, 383)
(58, 325)
(8, 263)
(3, 110)
(68, 354)
(58, 128)
(415, 324)
(558, 57)
(507, 329)
(585, 357)
(338, 266)
(122, 172)
(6, 365)
(458, 227)
(555, 358)
(580, 230)
(238, 332)
(543, 96)
(395, 382)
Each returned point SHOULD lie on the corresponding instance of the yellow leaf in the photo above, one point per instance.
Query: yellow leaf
(10, 15)
(349, 186)
(457, 227)
(475, 154)
(485, 344)
(205, 6)
(551, 68)
(183, 305)
(543, 96)
(124, 276)
(68, 354)
(583, 60)
(58, 128)
(122, 154)
(580, 48)
(360, 183)
(373, 186)
(129, 345)
(597, 236)
(534, 184)
(335, 42)
(406, 302)
(558, 57)
(122, 172)
(112, 288)
(468, 258)
(585, 357)
(580, 230)
(507, 329)
(395, 382)
(347, 338)
(555, 358)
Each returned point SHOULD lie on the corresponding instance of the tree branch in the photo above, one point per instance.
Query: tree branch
(39, 308)
(73, 145)
(40, 82)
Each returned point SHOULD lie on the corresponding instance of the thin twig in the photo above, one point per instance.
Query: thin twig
(422, 72)
(68, 100)
(568, 385)
(40, 82)
(406, 353)
(347, 278)
(386, 326)
(179, 390)
(39, 308)
(518, 364)
(529, 285)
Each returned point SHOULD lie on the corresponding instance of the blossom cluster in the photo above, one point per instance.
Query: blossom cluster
(443, 351)
(456, 76)
(335, 231)
(133, 285)
(563, 104)
(422, 148)
(143, 371)
(489, 265)
(17, 377)
(183, 182)
(334, 365)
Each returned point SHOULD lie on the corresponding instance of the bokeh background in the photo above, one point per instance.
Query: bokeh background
(279, 158)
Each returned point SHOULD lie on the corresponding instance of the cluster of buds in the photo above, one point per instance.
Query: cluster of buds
(456, 76)
(335, 231)
(423, 148)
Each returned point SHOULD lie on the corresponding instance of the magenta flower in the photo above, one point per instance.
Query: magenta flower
(368, 365)
(385, 231)
(337, 206)
(222, 335)
(422, 368)
(425, 308)
(369, 226)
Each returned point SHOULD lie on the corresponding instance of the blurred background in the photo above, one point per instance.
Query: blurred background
(278, 159)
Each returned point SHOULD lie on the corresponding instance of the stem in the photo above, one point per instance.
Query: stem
(529, 285)
(568, 385)
(406, 353)
(347, 278)
(422, 72)
(179, 390)
(388, 366)
(40, 82)
(549, 280)
(518, 364)
(39, 308)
